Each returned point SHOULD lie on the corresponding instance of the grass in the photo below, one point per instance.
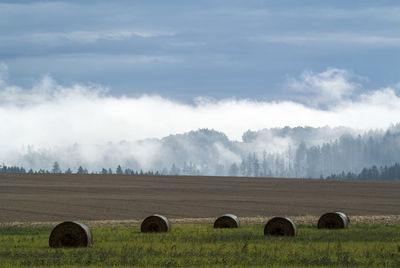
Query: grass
(200, 245)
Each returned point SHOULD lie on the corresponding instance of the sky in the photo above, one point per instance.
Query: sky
(185, 49)
(93, 72)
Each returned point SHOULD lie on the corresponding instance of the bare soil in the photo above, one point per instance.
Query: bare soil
(125, 200)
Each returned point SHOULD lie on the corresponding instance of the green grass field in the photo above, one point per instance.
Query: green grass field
(200, 245)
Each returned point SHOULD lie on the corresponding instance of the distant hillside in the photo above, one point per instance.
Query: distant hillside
(288, 152)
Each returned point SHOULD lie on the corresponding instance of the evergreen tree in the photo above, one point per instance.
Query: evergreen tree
(82, 170)
(264, 165)
(128, 171)
(119, 170)
(256, 166)
(56, 168)
(249, 166)
(242, 168)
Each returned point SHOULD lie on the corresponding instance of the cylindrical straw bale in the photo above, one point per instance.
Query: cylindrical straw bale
(155, 224)
(70, 234)
(345, 215)
(333, 220)
(280, 226)
(227, 221)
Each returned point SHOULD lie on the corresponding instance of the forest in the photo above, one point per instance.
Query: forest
(301, 152)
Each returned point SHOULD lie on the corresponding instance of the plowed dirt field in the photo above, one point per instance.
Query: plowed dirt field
(46, 198)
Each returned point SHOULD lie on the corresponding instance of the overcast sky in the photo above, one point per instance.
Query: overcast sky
(100, 72)
(185, 49)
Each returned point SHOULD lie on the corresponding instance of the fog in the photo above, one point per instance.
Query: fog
(83, 124)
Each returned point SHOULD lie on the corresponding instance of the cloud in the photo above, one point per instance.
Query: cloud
(50, 115)
(86, 64)
(330, 39)
(93, 36)
(326, 88)
(3, 74)
(82, 36)
(389, 13)
(86, 113)
(377, 13)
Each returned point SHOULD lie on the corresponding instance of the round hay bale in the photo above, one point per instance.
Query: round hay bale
(155, 224)
(345, 215)
(333, 220)
(70, 234)
(227, 221)
(280, 226)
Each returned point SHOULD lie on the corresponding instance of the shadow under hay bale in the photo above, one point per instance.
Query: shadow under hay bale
(71, 234)
(227, 221)
(280, 226)
(333, 220)
(155, 224)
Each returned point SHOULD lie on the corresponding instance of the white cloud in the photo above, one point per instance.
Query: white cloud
(53, 116)
(325, 88)
(373, 110)
(87, 114)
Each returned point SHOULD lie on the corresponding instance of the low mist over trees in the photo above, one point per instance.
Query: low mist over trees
(280, 152)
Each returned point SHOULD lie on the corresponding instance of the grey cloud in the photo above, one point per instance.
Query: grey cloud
(226, 48)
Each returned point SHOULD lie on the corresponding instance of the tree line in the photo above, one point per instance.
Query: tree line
(56, 169)
(301, 155)
(249, 167)
(384, 173)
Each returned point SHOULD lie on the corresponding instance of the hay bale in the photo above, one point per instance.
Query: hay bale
(333, 220)
(227, 221)
(280, 226)
(70, 234)
(155, 224)
(345, 215)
